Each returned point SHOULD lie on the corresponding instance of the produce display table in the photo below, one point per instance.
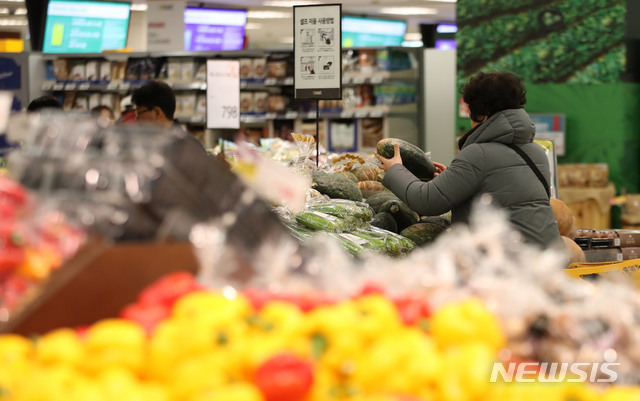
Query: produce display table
(590, 206)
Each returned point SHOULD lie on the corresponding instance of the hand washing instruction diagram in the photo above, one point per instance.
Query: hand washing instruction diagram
(317, 49)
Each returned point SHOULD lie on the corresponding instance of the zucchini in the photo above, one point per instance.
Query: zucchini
(385, 220)
(335, 185)
(375, 201)
(422, 233)
(413, 158)
(402, 214)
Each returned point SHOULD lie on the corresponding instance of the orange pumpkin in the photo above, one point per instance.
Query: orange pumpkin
(565, 218)
(574, 252)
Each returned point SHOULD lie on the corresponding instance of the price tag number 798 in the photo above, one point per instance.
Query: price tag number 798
(229, 111)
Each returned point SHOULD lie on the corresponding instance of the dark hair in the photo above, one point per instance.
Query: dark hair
(156, 94)
(98, 109)
(489, 93)
(44, 102)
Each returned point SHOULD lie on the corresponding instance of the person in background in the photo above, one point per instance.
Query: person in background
(489, 162)
(155, 104)
(104, 114)
(127, 111)
(44, 102)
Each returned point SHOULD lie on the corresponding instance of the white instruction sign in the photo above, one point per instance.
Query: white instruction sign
(223, 94)
(165, 25)
(317, 48)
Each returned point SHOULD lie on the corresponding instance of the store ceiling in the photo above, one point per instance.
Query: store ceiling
(270, 21)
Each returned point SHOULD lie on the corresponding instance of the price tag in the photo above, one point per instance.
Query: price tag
(47, 87)
(125, 86)
(346, 114)
(84, 86)
(58, 87)
(70, 87)
(197, 119)
(359, 80)
(270, 81)
(243, 84)
(203, 86)
(377, 79)
(346, 80)
(271, 116)
(223, 94)
(288, 81)
(376, 114)
(361, 114)
(112, 86)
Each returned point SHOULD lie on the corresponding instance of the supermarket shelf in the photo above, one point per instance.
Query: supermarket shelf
(378, 77)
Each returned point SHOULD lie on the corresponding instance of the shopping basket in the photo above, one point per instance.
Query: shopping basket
(629, 268)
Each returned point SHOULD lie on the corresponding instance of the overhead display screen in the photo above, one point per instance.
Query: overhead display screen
(85, 26)
(210, 29)
(367, 32)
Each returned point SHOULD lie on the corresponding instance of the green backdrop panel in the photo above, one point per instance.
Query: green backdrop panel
(603, 125)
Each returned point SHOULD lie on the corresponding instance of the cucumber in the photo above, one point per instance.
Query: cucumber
(407, 244)
(353, 245)
(321, 221)
(343, 208)
(413, 158)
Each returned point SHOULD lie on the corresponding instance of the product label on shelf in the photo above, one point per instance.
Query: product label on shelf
(317, 44)
(223, 94)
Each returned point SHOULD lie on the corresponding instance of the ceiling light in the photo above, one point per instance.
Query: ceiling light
(12, 22)
(284, 3)
(20, 11)
(408, 10)
(138, 7)
(268, 14)
(413, 36)
(253, 26)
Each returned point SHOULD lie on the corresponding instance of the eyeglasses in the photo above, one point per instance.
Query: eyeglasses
(139, 111)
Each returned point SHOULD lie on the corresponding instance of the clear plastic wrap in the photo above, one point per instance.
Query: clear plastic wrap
(546, 315)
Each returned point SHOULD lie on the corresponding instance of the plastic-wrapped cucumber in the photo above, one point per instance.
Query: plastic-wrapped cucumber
(388, 243)
(299, 232)
(353, 244)
(406, 243)
(321, 221)
(343, 208)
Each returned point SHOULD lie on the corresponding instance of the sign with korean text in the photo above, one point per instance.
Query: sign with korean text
(223, 94)
(165, 25)
(317, 45)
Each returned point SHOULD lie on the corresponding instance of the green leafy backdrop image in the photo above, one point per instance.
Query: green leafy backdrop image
(575, 41)
(571, 55)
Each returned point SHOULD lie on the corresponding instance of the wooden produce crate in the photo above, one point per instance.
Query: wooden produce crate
(97, 283)
(590, 206)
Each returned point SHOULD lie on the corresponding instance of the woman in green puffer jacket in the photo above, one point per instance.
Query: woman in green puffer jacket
(487, 163)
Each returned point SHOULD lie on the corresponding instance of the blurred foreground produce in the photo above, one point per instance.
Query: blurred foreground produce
(219, 345)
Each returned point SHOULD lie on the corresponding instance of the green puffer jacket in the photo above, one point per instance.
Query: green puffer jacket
(486, 166)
